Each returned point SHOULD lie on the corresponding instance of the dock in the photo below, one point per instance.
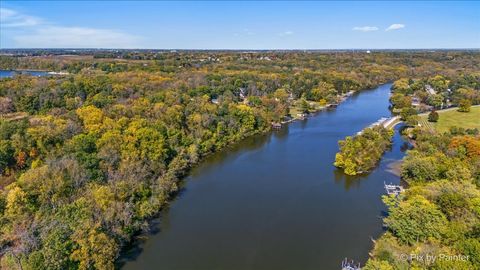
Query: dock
(393, 189)
(276, 125)
(384, 122)
(350, 265)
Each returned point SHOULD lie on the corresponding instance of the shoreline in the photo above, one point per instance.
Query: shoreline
(48, 72)
(341, 99)
(142, 235)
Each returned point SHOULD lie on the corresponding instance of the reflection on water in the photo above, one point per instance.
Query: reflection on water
(275, 201)
(349, 181)
(281, 133)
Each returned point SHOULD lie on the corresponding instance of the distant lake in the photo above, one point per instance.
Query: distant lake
(11, 73)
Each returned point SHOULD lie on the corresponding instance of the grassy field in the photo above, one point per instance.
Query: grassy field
(452, 117)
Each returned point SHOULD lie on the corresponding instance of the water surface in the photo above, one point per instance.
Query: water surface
(11, 73)
(276, 201)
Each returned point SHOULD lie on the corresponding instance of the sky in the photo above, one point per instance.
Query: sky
(240, 25)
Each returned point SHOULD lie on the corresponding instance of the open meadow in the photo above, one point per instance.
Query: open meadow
(452, 117)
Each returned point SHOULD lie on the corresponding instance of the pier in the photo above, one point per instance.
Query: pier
(384, 122)
(350, 265)
(393, 189)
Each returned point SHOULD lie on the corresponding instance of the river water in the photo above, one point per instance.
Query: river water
(11, 73)
(276, 201)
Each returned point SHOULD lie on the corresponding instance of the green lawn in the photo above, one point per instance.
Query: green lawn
(450, 118)
(295, 107)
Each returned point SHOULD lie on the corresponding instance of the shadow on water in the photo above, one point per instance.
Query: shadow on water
(154, 227)
(246, 145)
(349, 181)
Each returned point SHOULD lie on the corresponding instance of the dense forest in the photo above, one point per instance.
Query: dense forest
(88, 157)
(439, 214)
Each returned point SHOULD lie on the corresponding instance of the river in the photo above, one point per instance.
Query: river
(275, 201)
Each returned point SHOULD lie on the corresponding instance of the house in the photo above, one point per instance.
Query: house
(302, 115)
(243, 93)
(430, 90)
(416, 102)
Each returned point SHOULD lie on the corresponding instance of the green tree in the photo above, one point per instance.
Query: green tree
(435, 100)
(433, 116)
(415, 220)
(281, 94)
(94, 249)
(400, 101)
(407, 112)
(401, 86)
(6, 155)
(464, 105)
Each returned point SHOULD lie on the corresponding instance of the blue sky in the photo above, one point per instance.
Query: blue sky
(239, 25)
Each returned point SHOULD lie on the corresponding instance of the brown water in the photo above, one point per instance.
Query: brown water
(276, 201)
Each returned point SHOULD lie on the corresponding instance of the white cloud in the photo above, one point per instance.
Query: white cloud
(78, 37)
(395, 26)
(36, 33)
(11, 18)
(286, 33)
(365, 28)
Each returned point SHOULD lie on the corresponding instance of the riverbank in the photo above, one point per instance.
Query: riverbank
(298, 114)
(415, 222)
(273, 201)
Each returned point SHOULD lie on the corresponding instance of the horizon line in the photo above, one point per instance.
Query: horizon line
(236, 49)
